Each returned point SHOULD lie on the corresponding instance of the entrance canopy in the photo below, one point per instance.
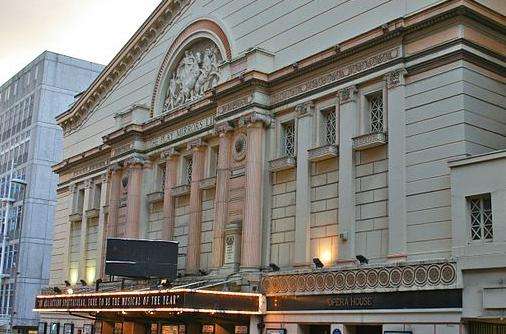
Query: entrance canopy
(175, 300)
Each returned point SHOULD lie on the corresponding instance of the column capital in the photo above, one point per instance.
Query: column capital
(395, 78)
(135, 161)
(170, 153)
(72, 187)
(256, 117)
(347, 95)
(196, 144)
(115, 167)
(305, 109)
(223, 128)
(88, 183)
(104, 178)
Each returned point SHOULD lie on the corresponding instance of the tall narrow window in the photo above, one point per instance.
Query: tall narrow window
(97, 194)
(288, 139)
(328, 126)
(480, 210)
(213, 161)
(187, 171)
(376, 112)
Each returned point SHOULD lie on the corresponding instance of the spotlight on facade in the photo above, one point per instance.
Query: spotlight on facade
(165, 283)
(97, 284)
(362, 259)
(67, 284)
(57, 289)
(70, 291)
(318, 263)
(273, 266)
(83, 282)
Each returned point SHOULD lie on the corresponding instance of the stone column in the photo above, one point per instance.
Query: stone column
(221, 195)
(251, 251)
(302, 249)
(396, 117)
(348, 115)
(135, 166)
(195, 227)
(114, 198)
(102, 233)
(84, 230)
(172, 159)
(71, 200)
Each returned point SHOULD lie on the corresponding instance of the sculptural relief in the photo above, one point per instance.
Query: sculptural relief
(195, 73)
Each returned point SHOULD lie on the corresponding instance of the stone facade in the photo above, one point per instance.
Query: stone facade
(319, 157)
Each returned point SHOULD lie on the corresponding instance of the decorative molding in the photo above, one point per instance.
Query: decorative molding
(348, 94)
(395, 78)
(237, 172)
(281, 164)
(393, 278)
(338, 74)
(256, 117)
(369, 140)
(305, 109)
(323, 152)
(120, 65)
(209, 183)
(91, 213)
(234, 105)
(155, 197)
(222, 128)
(76, 217)
(136, 160)
(115, 167)
(170, 153)
(196, 144)
(180, 190)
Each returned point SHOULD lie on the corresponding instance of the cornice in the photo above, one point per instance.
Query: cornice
(153, 27)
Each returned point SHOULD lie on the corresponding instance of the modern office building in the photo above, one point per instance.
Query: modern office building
(30, 143)
(325, 166)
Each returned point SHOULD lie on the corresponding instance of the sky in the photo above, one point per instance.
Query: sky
(93, 30)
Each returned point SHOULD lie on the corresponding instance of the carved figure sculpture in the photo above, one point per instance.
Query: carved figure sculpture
(195, 73)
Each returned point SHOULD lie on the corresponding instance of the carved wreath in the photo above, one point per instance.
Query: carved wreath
(240, 146)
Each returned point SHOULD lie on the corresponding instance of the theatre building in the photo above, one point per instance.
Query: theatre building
(319, 166)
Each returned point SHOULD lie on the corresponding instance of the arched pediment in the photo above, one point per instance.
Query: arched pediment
(192, 66)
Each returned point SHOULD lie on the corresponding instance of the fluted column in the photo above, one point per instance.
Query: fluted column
(135, 166)
(396, 120)
(251, 251)
(348, 114)
(302, 249)
(221, 195)
(195, 227)
(172, 159)
(102, 235)
(114, 198)
(84, 230)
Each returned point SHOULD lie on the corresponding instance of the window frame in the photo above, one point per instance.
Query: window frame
(469, 215)
(364, 118)
(282, 142)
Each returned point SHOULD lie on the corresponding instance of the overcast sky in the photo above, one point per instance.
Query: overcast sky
(94, 30)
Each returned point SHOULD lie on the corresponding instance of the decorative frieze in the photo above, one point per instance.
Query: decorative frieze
(91, 167)
(338, 74)
(184, 131)
(409, 276)
(369, 140)
(234, 105)
(283, 163)
(181, 190)
(323, 152)
(208, 183)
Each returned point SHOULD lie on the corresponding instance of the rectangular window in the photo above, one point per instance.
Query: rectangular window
(288, 139)
(375, 112)
(480, 210)
(97, 194)
(161, 176)
(213, 161)
(80, 201)
(187, 170)
(328, 126)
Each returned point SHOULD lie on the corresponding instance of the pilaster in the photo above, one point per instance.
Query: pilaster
(72, 198)
(102, 231)
(251, 251)
(84, 230)
(172, 158)
(302, 249)
(395, 106)
(135, 166)
(194, 230)
(348, 114)
(221, 197)
(114, 197)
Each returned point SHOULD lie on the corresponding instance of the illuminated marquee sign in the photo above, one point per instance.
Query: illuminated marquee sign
(173, 300)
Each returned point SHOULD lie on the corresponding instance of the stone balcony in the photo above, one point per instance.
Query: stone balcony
(323, 153)
(283, 163)
(209, 183)
(181, 190)
(369, 140)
